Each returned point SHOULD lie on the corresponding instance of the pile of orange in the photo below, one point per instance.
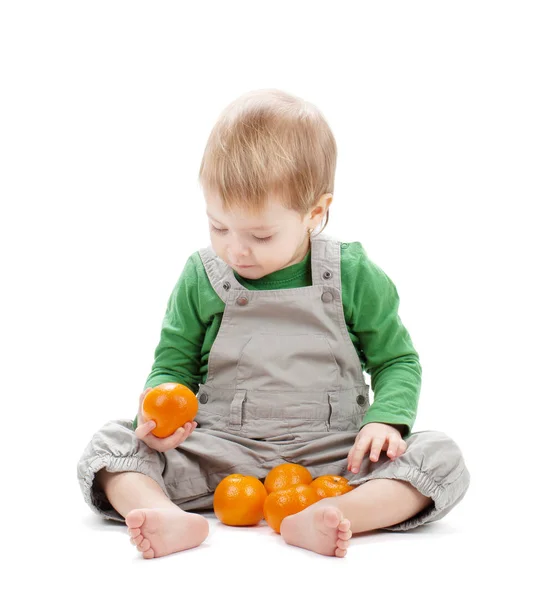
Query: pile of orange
(288, 489)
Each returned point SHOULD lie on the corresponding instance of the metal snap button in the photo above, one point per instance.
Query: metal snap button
(203, 398)
(360, 400)
(327, 297)
(242, 301)
(327, 275)
(227, 286)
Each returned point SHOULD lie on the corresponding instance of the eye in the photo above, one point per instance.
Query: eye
(220, 231)
(263, 240)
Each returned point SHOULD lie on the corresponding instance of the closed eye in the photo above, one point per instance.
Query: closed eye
(257, 239)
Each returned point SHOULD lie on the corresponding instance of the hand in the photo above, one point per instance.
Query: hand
(380, 437)
(144, 431)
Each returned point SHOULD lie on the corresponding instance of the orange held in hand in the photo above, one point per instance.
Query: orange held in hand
(286, 475)
(239, 499)
(331, 485)
(170, 405)
(290, 501)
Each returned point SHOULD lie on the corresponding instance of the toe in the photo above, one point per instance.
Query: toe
(135, 518)
(134, 532)
(149, 553)
(340, 553)
(331, 517)
(345, 524)
(344, 535)
(137, 540)
(144, 545)
(342, 544)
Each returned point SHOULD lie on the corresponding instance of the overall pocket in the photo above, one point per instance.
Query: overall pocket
(347, 408)
(362, 404)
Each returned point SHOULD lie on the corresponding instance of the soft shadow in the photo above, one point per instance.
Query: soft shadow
(139, 557)
(383, 536)
(94, 521)
(260, 527)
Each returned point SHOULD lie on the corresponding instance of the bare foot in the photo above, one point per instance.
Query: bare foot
(321, 528)
(160, 531)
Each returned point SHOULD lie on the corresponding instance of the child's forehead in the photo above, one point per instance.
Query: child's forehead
(271, 215)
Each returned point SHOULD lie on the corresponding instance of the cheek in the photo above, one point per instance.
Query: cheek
(272, 254)
(217, 245)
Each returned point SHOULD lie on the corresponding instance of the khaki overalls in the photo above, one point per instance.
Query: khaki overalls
(284, 384)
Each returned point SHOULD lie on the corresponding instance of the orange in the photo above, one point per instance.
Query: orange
(239, 499)
(170, 405)
(286, 475)
(331, 485)
(282, 503)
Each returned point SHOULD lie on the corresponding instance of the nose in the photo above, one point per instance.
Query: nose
(237, 250)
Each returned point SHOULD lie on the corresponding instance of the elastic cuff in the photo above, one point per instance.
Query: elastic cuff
(444, 497)
(96, 498)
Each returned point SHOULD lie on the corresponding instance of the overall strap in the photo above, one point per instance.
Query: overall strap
(326, 255)
(220, 274)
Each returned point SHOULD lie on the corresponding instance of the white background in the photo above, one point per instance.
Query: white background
(105, 111)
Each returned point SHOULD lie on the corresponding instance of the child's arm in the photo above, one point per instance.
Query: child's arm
(177, 357)
(384, 345)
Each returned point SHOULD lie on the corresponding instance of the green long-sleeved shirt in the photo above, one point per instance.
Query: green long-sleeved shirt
(194, 313)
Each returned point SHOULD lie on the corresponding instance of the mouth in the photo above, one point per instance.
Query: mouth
(242, 266)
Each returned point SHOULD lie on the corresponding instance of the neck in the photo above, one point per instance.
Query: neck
(301, 252)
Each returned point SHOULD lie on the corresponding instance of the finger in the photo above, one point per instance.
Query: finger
(174, 440)
(360, 449)
(392, 451)
(143, 430)
(181, 434)
(187, 429)
(350, 453)
(377, 445)
(171, 441)
(143, 394)
(402, 447)
(357, 452)
(141, 398)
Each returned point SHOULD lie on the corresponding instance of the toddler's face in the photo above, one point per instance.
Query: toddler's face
(256, 245)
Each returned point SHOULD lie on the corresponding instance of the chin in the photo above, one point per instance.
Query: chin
(252, 273)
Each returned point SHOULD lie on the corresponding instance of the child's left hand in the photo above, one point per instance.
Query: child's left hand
(380, 437)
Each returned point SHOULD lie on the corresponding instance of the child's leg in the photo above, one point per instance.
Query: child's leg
(156, 525)
(380, 503)
(129, 490)
(326, 527)
(421, 486)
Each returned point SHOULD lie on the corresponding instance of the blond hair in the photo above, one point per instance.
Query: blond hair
(270, 142)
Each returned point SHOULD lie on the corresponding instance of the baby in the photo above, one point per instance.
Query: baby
(272, 327)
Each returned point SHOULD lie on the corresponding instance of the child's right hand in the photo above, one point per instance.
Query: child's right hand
(144, 431)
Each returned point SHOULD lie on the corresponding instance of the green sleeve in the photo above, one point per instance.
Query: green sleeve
(384, 345)
(177, 357)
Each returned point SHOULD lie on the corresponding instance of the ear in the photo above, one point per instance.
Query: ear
(320, 209)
